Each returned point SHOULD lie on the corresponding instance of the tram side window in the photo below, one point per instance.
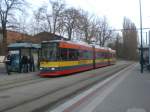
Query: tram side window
(84, 54)
(99, 55)
(81, 54)
(103, 55)
(109, 55)
(106, 56)
(64, 54)
(96, 55)
(73, 54)
(89, 55)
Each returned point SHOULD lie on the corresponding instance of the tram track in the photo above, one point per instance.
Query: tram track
(21, 83)
(5, 85)
(17, 80)
(24, 82)
(93, 79)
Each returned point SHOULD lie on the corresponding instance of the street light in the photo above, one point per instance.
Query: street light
(141, 58)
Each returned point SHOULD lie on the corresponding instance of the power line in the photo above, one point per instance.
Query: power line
(130, 29)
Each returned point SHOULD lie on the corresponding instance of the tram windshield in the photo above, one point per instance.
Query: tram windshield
(49, 51)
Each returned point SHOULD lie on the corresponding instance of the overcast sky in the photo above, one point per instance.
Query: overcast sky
(114, 10)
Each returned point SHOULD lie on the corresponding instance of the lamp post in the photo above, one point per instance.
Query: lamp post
(141, 56)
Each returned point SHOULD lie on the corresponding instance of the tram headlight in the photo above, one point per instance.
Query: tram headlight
(41, 68)
(52, 68)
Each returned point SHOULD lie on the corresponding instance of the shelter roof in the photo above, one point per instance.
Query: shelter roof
(24, 45)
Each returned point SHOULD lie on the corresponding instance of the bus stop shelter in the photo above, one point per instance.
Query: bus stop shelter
(146, 56)
(18, 50)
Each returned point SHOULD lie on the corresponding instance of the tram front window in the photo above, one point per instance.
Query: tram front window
(49, 51)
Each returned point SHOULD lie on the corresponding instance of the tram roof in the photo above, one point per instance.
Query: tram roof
(104, 49)
(52, 41)
(81, 43)
(71, 44)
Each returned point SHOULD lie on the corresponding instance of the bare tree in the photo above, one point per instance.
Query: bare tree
(57, 7)
(48, 17)
(104, 32)
(117, 45)
(70, 20)
(7, 14)
(49, 22)
(87, 25)
(61, 27)
(21, 24)
(40, 16)
(129, 33)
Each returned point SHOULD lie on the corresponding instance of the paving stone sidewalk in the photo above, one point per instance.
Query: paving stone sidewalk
(13, 76)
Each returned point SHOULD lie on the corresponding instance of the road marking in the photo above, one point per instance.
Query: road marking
(100, 98)
(136, 110)
(63, 107)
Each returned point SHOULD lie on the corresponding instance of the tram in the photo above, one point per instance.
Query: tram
(61, 57)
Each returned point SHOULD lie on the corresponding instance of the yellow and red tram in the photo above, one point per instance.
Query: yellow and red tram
(65, 57)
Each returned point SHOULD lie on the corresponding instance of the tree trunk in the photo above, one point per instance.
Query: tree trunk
(4, 44)
(69, 33)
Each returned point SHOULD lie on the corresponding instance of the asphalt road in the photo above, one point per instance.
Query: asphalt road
(131, 95)
(34, 96)
(129, 91)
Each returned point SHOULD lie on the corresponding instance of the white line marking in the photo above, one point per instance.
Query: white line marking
(136, 110)
(99, 99)
(74, 100)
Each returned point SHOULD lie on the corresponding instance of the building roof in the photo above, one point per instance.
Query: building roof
(46, 36)
(13, 37)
